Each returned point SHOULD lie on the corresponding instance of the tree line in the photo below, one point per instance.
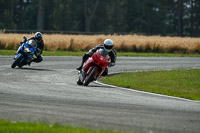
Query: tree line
(162, 17)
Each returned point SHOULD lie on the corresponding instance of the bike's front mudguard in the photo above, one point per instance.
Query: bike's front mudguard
(97, 71)
(85, 74)
(25, 59)
(22, 61)
(92, 75)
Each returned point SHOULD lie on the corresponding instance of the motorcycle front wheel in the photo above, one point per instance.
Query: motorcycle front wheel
(16, 62)
(105, 72)
(90, 77)
(79, 81)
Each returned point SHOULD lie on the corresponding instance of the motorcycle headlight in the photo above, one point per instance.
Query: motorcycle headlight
(26, 49)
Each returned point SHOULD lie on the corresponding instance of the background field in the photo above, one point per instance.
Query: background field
(123, 43)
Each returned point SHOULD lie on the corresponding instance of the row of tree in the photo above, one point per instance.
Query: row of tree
(165, 17)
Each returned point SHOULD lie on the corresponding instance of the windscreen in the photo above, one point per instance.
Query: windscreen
(103, 52)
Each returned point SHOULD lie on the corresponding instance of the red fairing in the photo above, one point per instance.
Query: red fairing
(97, 60)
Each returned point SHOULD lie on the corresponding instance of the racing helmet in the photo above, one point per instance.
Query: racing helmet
(32, 42)
(108, 45)
(38, 36)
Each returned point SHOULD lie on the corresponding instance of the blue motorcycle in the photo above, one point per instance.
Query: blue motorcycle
(25, 54)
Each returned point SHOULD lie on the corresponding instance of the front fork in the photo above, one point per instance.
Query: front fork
(82, 75)
(18, 50)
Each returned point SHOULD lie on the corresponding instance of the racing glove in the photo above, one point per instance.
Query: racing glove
(89, 54)
(24, 40)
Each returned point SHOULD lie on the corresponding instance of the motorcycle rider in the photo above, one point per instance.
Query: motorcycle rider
(40, 46)
(108, 46)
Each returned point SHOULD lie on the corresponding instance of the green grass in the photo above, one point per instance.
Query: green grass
(179, 83)
(80, 53)
(22, 127)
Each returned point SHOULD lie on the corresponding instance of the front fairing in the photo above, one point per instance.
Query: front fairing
(27, 51)
(87, 64)
(99, 59)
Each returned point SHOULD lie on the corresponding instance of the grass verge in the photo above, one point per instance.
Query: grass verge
(179, 83)
(80, 53)
(22, 127)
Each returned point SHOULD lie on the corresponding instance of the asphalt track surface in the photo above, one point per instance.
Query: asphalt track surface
(47, 92)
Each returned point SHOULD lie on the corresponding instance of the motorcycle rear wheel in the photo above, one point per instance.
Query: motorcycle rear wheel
(90, 77)
(15, 63)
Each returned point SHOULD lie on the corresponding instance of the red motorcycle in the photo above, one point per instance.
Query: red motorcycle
(93, 67)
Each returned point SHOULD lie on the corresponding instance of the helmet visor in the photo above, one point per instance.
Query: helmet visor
(108, 47)
(39, 38)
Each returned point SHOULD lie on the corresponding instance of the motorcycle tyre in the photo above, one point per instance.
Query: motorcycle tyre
(15, 63)
(79, 82)
(90, 77)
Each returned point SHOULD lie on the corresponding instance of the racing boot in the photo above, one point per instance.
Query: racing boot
(85, 57)
(29, 63)
(79, 68)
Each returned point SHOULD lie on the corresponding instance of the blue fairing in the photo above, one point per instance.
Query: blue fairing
(26, 51)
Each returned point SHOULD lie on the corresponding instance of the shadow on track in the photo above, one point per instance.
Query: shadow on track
(34, 69)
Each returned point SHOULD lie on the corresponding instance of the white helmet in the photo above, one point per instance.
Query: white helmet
(108, 45)
(38, 36)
